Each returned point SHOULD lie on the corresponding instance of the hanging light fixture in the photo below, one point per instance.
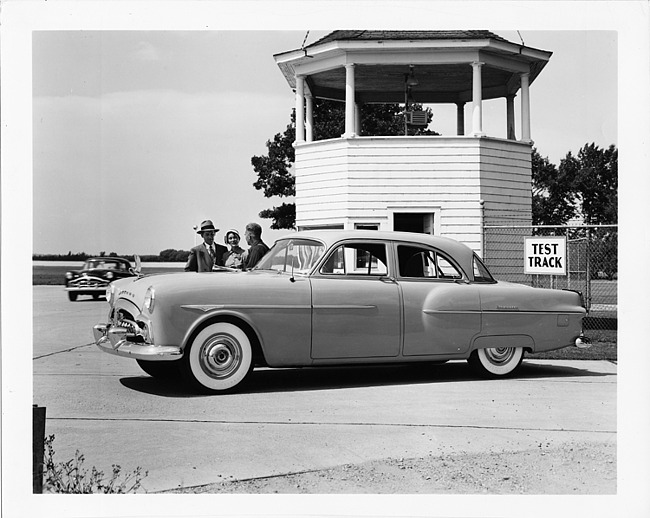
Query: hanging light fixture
(411, 80)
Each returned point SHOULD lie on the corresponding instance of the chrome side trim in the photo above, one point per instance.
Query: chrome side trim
(214, 307)
(453, 312)
(526, 312)
(345, 306)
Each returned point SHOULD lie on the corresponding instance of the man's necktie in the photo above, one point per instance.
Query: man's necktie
(211, 250)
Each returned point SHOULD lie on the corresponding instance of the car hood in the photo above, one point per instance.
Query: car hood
(206, 288)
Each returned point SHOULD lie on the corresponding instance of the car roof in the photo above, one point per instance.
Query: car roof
(458, 251)
(109, 259)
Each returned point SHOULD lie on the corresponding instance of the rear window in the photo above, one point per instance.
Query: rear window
(481, 273)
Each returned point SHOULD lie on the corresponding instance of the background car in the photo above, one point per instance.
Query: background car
(322, 298)
(95, 275)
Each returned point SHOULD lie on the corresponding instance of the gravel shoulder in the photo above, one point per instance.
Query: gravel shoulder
(575, 468)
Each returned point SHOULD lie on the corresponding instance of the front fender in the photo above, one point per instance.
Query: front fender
(207, 316)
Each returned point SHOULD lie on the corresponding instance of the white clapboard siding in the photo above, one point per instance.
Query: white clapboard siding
(464, 180)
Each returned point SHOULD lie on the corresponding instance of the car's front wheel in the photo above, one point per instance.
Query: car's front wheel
(218, 359)
(72, 296)
(166, 370)
(496, 361)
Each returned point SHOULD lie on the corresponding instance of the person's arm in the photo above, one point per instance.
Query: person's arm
(220, 252)
(191, 265)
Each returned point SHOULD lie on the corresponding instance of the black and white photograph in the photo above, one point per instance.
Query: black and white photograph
(325, 259)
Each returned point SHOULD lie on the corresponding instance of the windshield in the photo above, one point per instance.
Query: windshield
(92, 264)
(292, 256)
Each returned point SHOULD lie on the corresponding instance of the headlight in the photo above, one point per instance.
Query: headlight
(110, 294)
(69, 275)
(109, 275)
(150, 299)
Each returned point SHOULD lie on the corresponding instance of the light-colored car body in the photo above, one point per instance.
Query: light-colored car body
(332, 298)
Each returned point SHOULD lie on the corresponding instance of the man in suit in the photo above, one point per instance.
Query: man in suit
(208, 254)
(257, 248)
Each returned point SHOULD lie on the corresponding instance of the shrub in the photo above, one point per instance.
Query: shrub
(71, 477)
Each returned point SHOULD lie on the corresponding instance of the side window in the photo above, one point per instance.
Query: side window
(422, 263)
(416, 262)
(356, 259)
(447, 270)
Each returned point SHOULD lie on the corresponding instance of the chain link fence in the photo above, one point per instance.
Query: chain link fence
(591, 265)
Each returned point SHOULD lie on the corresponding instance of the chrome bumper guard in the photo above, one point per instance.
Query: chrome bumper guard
(582, 342)
(113, 340)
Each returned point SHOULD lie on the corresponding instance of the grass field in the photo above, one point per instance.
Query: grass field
(603, 348)
(55, 275)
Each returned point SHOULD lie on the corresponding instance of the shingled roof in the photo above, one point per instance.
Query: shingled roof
(406, 35)
(440, 59)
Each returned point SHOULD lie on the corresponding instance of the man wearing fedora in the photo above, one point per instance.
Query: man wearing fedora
(208, 254)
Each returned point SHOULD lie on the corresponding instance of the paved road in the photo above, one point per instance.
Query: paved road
(294, 420)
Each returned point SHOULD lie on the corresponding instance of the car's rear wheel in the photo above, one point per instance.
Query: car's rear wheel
(161, 370)
(496, 361)
(218, 359)
(72, 296)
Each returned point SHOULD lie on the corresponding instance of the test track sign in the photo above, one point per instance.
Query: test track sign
(545, 255)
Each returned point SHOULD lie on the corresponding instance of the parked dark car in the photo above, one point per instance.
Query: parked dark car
(95, 276)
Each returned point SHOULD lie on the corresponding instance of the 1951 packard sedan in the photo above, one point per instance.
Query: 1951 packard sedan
(332, 298)
(95, 275)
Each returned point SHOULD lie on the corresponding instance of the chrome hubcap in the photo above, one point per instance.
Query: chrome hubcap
(499, 355)
(220, 356)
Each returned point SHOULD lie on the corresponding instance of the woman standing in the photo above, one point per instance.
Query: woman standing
(233, 257)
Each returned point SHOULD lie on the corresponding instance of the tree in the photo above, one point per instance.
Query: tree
(594, 175)
(275, 169)
(553, 200)
(584, 185)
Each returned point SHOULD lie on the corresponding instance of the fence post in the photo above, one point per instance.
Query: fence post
(588, 268)
(568, 260)
(38, 446)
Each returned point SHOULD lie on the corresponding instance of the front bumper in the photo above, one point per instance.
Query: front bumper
(113, 340)
(87, 289)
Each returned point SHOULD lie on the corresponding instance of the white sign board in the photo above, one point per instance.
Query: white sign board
(545, 255)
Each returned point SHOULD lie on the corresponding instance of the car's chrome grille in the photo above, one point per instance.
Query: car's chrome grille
(120, 318)
(88, 282)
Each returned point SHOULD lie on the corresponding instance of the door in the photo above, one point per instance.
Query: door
(355, 304)
(441, 312)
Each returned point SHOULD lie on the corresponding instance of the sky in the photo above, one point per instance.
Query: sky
(144, 134)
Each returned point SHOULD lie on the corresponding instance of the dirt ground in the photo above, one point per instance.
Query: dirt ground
(569, 469)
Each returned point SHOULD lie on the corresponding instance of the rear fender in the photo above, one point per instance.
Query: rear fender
(496, 341)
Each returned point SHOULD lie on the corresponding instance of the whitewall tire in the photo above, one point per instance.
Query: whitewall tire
(496, 361)
(219, 358)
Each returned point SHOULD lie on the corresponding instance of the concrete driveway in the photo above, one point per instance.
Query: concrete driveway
(294, 420)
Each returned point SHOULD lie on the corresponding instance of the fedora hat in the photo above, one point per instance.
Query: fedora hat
(207, 225)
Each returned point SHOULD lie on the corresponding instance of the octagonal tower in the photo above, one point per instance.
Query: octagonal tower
(450, 185)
